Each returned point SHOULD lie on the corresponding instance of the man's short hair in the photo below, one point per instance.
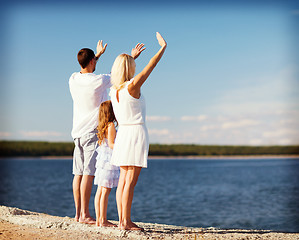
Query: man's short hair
(85, 55)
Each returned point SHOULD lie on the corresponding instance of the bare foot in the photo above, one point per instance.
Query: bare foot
(131, 226)
(107, 224)
(120, 226)
(76, 219)
(88, 220)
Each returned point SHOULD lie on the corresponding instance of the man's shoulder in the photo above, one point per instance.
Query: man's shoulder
(104, 76)
(83, 76)
(78, 78)
(94, 76)
(73, 76)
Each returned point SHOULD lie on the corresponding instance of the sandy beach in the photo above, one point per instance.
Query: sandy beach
(22, 224)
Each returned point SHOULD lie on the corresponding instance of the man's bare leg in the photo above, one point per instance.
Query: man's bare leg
(77, 196)
(85, 189)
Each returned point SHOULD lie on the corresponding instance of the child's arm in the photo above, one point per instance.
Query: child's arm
(111, 134)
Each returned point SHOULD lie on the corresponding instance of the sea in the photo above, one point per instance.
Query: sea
(248, 193)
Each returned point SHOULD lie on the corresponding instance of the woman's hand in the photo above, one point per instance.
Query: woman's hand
(139, 79)
(161, 40)
(137, 50)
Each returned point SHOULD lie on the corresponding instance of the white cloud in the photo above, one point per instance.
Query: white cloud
(208, 127)
(256, 141)
(266, 128)
(239, 124)
(194, 118)
(286, 141)
(40, 134)
(272, 92)
(280, 133)
(223, 123)
(157, 118)
(5, 134)
(158, 132)
(287, 121)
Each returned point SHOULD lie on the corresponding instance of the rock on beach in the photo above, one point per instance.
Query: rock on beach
(22, 224)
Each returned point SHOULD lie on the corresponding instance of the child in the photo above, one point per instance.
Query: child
(106, 175)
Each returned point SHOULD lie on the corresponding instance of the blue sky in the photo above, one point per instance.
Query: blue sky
(229, 74)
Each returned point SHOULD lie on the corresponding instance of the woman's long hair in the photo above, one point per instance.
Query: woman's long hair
(106, 116)
(123, 70)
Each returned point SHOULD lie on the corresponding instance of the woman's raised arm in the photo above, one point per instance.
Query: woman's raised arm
(139, 79)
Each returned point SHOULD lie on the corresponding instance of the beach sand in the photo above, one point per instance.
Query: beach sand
(22, 224)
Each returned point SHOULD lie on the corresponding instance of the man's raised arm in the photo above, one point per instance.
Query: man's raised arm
(100, 49)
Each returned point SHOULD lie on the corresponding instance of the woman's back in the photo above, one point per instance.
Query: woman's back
(128, 110)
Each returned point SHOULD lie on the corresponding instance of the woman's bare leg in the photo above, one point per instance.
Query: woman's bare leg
(119, 193)
(127, 197)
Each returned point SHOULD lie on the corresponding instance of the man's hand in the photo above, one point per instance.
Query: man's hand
(137, 50)
(100, 48)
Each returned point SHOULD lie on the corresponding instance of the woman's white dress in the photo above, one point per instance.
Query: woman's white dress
(131, 143)
(106, 174)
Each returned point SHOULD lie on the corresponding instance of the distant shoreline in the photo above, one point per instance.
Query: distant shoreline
(191, 157)
(173, 151)
(227, 157)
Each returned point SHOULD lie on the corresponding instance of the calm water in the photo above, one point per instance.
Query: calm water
(247, 194)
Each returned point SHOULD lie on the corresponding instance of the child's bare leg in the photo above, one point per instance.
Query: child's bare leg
(97, 199)
(119, 193)
(103, 208)
(127, 198)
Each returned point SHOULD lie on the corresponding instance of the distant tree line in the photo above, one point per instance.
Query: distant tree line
(215, 150)
(35, 149)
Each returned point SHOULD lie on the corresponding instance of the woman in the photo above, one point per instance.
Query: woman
(131, 144)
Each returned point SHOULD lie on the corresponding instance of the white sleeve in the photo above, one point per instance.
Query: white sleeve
(107, 80)
(102, 82)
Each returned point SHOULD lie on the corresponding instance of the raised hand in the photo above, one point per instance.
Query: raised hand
(161, 40)
(100, 48)
(139, 48)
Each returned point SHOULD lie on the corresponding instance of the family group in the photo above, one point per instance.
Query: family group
(110, 136)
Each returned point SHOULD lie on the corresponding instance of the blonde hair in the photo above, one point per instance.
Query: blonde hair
(123, 70)
(106, 116)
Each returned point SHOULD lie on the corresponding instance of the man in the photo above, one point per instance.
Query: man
(88, 91)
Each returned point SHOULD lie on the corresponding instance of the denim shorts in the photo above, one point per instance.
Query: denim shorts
(84, 160)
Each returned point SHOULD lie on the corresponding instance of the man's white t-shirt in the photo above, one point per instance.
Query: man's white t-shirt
(88, 91)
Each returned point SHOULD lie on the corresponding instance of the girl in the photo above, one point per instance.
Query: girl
(106, 175)
(131, 144)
